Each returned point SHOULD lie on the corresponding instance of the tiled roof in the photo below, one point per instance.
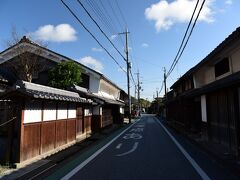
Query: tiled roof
(95, 96)
(45, 92)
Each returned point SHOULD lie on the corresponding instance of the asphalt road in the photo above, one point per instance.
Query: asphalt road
(147, 150)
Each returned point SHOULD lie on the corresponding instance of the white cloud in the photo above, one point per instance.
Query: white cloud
(113, 36)
(59, 33)
(145, 45)
(97, 49)
(165, 14)
(229, 2)
(92, 63)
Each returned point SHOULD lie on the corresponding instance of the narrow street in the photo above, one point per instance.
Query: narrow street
(147, 150)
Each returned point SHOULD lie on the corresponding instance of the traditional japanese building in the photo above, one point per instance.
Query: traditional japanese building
(207, 97)
(82, 110)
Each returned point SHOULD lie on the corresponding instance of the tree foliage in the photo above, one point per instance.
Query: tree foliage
(65, 74)
(144, 103)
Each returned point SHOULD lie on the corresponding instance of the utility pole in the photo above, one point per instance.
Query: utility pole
(165, 88)
(135, 92)
(157, 101)
(165, 83)
(138, 90)
(128, 74)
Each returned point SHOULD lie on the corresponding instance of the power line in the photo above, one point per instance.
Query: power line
(180, 48)
(161, 87)
(190, 22)
(101, 29)
(132, 78)
(101, 16)
(69, 9)
(121, 14)
(114, 13)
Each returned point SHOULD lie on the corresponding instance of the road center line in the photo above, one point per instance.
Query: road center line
(84, 163)
(119, 146)
(199, 170)
(130, 151)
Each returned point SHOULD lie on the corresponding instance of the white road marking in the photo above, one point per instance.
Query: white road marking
(84, 163)
(199, 170)
(130, 151)
(132, 136)
(36, 175)
(119, 146)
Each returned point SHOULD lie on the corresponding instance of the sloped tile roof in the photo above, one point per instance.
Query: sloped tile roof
(46, 92)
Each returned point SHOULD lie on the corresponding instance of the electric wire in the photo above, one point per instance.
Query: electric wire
(183, 40)
(161, 87)
(81, 23)
(121, 14)
(100, 15)
(132, 78)
(101, 29)
(114, 13)
(188, 37)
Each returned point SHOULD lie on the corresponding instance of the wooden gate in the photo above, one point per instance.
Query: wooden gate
(79, 121)
(107, 118)
(9, 131)
(222, 118)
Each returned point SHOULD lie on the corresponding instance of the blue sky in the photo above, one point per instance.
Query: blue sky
(156, 29)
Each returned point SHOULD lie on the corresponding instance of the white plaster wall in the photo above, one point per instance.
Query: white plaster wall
(62, 111)
(209, 75)
(198, 79)
(203, 76)
(32, 112)
(108, 90)
(72, 111)
(204, 108)
(87, 112)
(235, 57)
(49, 112)
(94, 83)
(97, 110)
(121, 110)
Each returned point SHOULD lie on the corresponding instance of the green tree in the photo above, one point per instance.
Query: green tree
(65, 74)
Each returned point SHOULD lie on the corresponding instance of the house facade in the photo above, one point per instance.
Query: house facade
(206, 99)
(101, 105)
(43, 120)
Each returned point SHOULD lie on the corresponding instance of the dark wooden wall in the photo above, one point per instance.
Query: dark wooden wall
(222, 115)
(79, 122)
(41, 137)
(30, 146)
(107, 118)
(87, 124)
(96, 123)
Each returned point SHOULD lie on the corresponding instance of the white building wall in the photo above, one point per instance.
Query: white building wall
(94, 83)
(97, 110)
(72, 111)
(50, 111)
(32, 112)
(109, 91)
(204, 108)
(235, 57)
(62, 111)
